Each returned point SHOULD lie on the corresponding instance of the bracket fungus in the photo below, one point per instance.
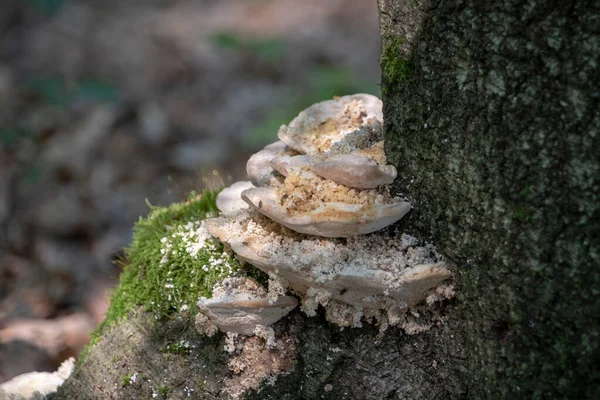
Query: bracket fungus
(316, 197)
(329, 219)
(355, 171)
(229, 201)
(325, 126)
(258, 168)
(240, 305)
(336, 185)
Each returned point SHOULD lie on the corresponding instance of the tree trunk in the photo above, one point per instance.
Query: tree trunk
(492, 119)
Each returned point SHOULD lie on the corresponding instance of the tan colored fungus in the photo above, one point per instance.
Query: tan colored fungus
(336, 187)
(369, 271)
(258, 169)
(351, 170)
(240, 305)
(355, 171)
(308, 223)
(304, 191)
(329, 219)
(323, 125)
(286, 164)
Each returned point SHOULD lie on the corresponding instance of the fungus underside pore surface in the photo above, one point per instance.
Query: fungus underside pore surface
(169, 264)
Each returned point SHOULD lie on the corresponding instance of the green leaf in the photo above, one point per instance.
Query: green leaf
(267, 50)
(323, 84)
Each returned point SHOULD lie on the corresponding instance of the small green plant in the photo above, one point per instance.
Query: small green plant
(330, 81)
(322, 83)
(51, 90)
(130, 379)
(126, 380)
(97, 90)
(268, 51)
(32, 175)
(9, 140)
(163, 390)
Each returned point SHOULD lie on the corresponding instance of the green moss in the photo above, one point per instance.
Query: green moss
(164, 269)
(126, 380)
(395, 69)
(129, 379)
(163, 390)
(181, 347)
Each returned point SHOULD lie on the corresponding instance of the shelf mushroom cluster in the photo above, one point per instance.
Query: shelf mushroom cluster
(327, 175)
(306, 214)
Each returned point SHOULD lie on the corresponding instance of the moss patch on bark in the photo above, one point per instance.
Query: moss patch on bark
(394, 68)
(169, 264)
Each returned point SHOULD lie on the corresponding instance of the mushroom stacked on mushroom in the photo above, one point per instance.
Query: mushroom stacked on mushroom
(327, 175)
(313, 197)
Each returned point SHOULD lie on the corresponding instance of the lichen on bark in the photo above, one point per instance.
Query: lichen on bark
(493, 135)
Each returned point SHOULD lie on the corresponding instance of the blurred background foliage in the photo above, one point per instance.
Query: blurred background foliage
(104, 105)
(55, 91)
(46, 7)
(322, 83)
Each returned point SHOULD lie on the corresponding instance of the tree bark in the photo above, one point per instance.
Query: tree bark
(495, 130)
(492, 120)
(328, 363)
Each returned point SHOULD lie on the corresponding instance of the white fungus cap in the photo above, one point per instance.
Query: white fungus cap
(333, 219)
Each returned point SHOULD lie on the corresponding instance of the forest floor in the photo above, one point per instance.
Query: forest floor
(105, 106)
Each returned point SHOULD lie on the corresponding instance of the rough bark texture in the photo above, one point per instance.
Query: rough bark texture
(329, 363)
(495, 130)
